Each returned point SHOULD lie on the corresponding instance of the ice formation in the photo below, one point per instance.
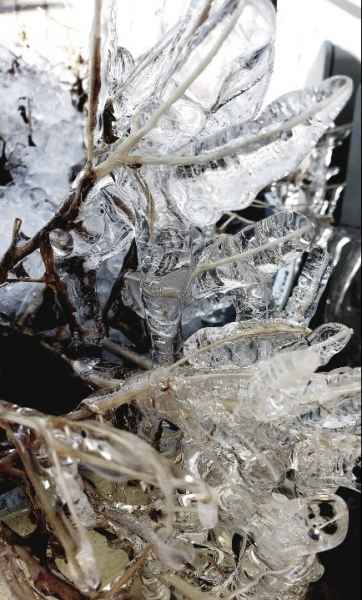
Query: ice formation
(238, 436)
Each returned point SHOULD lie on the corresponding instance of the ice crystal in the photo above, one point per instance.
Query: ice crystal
(236, 432)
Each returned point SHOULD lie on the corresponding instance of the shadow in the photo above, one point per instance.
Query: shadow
(33, 375)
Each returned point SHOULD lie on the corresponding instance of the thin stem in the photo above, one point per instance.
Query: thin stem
(185, 588)
(103, 405)
(253, 252)
(7, 262)
(234, 217)
(63, 219)
(119, 157)
(94, 78)
(135, 569)
(245, 145)
(264, 330)
(141, 361)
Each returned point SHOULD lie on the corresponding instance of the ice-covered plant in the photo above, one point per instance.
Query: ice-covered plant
(235, 440)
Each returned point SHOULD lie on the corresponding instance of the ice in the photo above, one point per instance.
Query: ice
(43, 135)
(106, 227)
(329, 340)
(225, 175)
(325, 461)
(310, 288)
(238, 281)
(311, 188)
(233, 71)
(200, 159)
(233, 432)
(239, 344)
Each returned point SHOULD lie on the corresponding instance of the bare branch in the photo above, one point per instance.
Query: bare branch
(54, 282)
(126, 579)
(8, 260)
(63, 219)
(44, 581)
(94, 78)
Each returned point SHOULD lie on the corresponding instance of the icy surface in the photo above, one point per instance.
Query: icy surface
(43, 137)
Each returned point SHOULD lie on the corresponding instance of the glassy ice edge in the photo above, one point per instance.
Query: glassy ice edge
(247, 437)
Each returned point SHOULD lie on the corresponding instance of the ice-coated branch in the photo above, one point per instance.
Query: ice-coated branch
(120, 156)
(246, 144)
(264, 330)
(248, 254)
(63, 219)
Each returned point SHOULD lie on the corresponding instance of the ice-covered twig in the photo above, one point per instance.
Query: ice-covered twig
(133, 571)
(63, 219)
(70, 537)
(294, 235)
(121, 155)
(246, 144)
(248, 588)
(258, 330)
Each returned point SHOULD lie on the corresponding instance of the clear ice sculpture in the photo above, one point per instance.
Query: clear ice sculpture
(237, 432)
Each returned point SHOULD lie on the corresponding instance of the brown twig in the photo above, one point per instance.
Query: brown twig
(94, 79)
(24, 280)
(44, 581)
(205, 13)
(10, 255)
(135, 568)
(9, 469)
(54, 282)
(141, 361)
(63, 219)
